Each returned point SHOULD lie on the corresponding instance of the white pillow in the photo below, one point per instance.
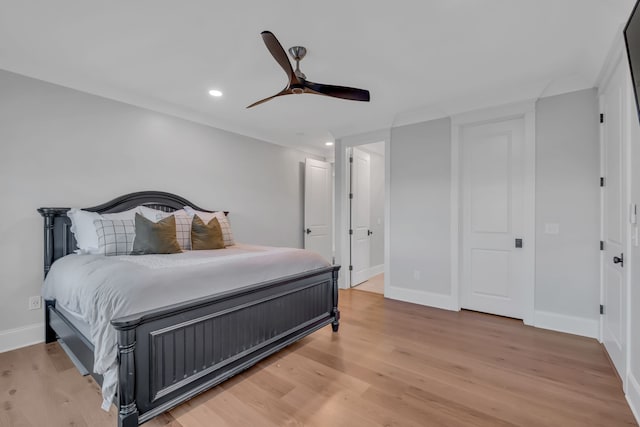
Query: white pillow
(84, 230)
(227, 234)
(151, 214)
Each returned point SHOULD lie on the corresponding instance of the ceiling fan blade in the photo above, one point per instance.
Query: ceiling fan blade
(342, 92)
(282, 93)
(279, 54)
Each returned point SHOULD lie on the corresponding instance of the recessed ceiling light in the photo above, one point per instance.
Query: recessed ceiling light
(328, 143)
(214, 92)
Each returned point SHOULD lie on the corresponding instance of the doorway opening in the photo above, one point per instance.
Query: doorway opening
(366, 203)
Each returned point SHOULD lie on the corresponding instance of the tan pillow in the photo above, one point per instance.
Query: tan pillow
(155, 237)
(206, 236)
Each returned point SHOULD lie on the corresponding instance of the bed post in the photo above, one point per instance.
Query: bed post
(128, 411)
(49, 333)
(48, 215)
(336, 313)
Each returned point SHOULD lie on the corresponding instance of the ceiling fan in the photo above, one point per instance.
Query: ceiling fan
(298, 83)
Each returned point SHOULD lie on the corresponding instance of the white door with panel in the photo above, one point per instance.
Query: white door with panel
(492, 216)
(318, 206)
(360, 216)
(614, 104)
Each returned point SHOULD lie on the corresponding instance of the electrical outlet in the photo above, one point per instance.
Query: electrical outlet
(35, 302)
(416, 274)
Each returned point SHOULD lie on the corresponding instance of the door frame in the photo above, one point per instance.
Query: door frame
(617, 58)
(341, 225)
(525, 110)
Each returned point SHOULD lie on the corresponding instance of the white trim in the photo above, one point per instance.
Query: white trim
(455, 214)
(375, 270)
(633, 395)
(431, 299)
(526, 110)
(502, 112)
(342, 147)
(11, 339)
(601, 258)
(617, 57)
(387, 211)
(568, 324)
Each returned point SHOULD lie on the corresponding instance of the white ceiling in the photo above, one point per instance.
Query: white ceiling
(419, 59)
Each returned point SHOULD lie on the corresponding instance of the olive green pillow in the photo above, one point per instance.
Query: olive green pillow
(206, 236)
(155, 237)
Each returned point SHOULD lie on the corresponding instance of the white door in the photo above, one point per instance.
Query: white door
(492, 217)
(613, 104)
(360, 216)
(318, 207)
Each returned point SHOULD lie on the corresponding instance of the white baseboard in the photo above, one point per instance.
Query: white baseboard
(633, 395)
(430, 299)
(375, 270)
(21, 337)
(569, 324)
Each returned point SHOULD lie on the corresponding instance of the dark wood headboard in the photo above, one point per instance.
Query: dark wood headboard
(59, 240)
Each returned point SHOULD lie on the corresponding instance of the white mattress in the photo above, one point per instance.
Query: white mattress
(76, 320)
(97, 288)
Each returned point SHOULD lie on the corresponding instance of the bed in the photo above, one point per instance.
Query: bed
(169, 353)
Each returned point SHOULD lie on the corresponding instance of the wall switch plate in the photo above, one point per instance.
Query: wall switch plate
(550, 228)
(35, 303)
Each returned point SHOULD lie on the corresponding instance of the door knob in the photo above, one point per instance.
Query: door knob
(369, 232)
(308, 231)
(619, 260)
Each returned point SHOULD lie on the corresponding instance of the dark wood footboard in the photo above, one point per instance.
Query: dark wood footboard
(168, 356)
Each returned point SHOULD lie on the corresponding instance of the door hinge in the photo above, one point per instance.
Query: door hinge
(350, 195)
(601, 309)
(601, 118)
(602, 181)
(350, 159)
(602, 245)
(350, 231)
(350, 267)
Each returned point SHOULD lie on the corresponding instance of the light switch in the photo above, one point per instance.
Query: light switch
(550, 228)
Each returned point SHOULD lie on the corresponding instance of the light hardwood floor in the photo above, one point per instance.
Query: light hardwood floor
(374, 284)
(391, 364)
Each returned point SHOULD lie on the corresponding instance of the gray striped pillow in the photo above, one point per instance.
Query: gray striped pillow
(115, 236)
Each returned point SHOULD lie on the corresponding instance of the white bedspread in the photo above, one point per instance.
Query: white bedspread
(100, 288)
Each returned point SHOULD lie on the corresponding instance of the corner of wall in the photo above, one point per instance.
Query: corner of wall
(633, 395)
(568, 324)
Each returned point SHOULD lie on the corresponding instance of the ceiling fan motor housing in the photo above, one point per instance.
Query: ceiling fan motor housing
(298, 52)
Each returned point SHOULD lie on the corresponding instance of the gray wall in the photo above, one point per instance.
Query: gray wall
(568, 194)
(60, 147)
(420, 213)
(567, 171)
(377, 209)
